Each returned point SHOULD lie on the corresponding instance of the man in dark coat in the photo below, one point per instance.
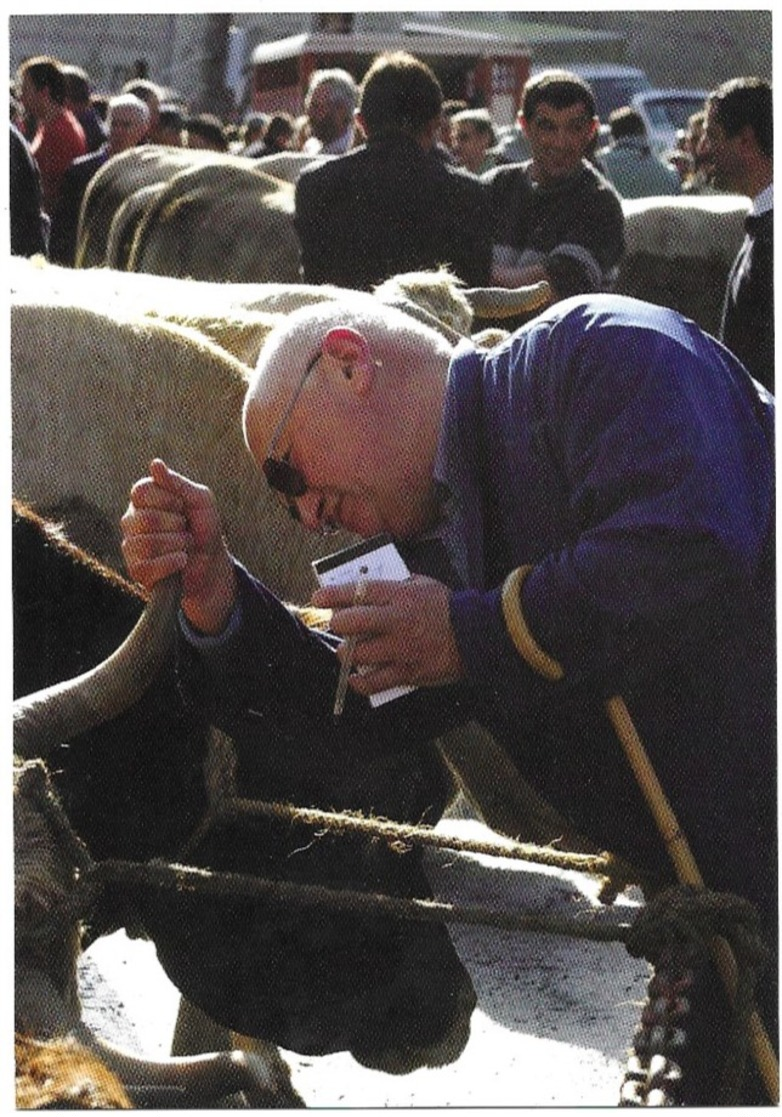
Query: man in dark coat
(29, 223)
(738, 141)
(391, 205)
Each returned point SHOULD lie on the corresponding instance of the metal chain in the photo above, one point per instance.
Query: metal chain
(653, 1074)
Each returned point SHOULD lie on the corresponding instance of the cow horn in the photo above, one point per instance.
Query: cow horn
(55, 714)
(185, 1080)
(506, 302)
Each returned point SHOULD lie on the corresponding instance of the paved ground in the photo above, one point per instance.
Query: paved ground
(554, 1019)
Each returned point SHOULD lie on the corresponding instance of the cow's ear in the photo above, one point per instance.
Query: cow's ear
(351, 349)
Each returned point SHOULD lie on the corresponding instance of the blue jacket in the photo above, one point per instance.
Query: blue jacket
(627, 458)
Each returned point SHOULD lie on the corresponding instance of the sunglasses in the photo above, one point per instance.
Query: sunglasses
(280, 475)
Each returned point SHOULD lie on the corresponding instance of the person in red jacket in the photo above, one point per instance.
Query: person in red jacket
(59, 138)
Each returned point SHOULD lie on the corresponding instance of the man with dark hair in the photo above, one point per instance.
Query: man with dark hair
(738, 142)
(78, 98)
(472, 137)
(170, 131)
(555, 217)
(391, 205)
(206, 132)
(277, 137)
(59, 138)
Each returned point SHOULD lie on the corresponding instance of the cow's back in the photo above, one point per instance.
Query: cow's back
(678, 252)
(221, 221)
(115, 182)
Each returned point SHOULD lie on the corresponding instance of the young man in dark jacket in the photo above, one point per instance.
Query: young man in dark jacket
(555, 217)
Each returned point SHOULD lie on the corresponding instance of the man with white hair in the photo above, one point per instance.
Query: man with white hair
(588, 510)
(330, 102)
(128, 125)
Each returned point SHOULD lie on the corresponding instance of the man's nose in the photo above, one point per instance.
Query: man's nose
(310, 509)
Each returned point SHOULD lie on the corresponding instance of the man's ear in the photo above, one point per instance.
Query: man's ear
(351, 349)
(522, 123)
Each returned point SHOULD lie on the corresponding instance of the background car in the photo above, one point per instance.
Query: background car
(613, 87)
(665, 112)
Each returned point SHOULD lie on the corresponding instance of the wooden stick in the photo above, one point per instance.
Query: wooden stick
(688, 873)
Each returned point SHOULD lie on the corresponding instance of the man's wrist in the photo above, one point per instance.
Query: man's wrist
(209, 614)
(206, 639)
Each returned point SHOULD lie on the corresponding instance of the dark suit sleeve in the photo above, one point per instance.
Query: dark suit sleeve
(471, 241)
(29, 226)
(65, 220)
(314, 227)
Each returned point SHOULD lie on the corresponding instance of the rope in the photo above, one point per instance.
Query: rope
(186, 879)
(226, 806)
(404, 836)
(684, 915)
(689, 916)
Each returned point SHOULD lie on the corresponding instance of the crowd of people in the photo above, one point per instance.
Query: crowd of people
(423, 181)
(587, 509)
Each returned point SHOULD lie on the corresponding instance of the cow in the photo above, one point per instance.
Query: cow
(177, 211)
(114, 182)
(126, 763)
(130, 787)
(288, 165)
(678, 252)
(128, 387)
(223, 220)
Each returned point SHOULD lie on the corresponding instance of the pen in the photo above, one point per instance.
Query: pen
(350, 648)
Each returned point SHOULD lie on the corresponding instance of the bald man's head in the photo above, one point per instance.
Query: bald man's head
(342, 413)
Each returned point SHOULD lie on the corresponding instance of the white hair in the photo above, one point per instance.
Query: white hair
(393, 335)
(132, 102)
(340, 84)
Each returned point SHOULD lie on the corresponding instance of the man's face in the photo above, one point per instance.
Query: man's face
(721, 153)
(559, 139)
(125, 130)
(469, 145)
(356, 477)
(327, 120)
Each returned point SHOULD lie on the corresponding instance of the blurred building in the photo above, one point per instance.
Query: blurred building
(206, 59)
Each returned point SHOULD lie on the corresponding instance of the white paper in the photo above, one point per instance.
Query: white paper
(376, 560)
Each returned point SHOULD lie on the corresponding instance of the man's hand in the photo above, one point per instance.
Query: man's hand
(403, 631)
(172, 526)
